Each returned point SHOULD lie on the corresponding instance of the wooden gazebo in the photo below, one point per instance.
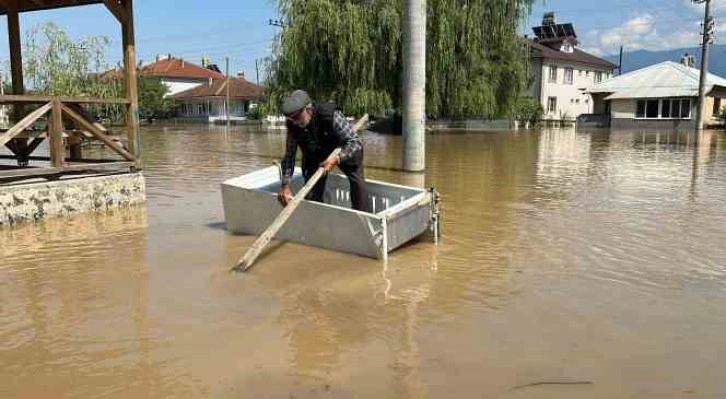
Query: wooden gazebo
(23, 142)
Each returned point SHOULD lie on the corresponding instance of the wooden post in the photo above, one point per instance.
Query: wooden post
(16, 71)
(74, 146)
(57, 150)
(132, 90)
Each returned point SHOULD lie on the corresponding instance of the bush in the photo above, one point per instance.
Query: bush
(528, 110)
(257, 113)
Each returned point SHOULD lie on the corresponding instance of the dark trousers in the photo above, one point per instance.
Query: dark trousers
(356, 177)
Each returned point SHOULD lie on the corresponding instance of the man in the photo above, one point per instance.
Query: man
(318, 129)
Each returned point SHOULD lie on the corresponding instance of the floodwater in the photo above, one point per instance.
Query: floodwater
(572, 265)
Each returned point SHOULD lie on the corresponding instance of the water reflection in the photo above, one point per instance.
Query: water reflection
(591, 255)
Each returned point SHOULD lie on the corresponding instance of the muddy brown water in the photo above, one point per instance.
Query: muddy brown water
(572, 265)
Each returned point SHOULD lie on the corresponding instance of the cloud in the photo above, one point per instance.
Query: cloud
(641, 33)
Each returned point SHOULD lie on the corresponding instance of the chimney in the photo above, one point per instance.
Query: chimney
(205, 61)
(688, 60)
(241, 74)
(182, 62)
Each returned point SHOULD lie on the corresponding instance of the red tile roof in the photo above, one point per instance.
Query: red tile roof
(239, 89)
(178, 68)
(170, 68)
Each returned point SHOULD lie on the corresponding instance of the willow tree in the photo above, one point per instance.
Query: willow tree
(349, 51)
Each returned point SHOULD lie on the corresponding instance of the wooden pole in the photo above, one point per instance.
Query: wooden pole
(132, 90)
(57, 150)
(254, 251)
(16, 71)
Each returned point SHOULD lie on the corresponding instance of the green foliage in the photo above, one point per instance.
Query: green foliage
(56, 65)
(722, 115)
(528, 110)
(350, 51)
(258, 113)
(152, 103)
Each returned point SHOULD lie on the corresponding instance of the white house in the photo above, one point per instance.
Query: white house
(560, 71)
(177, 74)
(207, 101)
(663, 95)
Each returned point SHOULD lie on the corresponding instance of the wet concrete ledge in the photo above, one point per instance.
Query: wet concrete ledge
(29, 201)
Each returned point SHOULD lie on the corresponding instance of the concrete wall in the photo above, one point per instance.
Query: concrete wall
(29, 202)
(570, 98)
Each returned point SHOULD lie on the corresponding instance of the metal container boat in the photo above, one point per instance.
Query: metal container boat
(400, 213)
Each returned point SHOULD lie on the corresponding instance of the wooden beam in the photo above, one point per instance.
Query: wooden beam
(117, 10)
(12, 98)
(39, 172)
(132, 90)
(25, 123)
(97, 133)
(69, 163)
(16, 69)
(33, 146)
(16, 58)
(57, 150)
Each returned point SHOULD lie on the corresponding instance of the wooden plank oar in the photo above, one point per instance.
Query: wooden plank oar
(254, 251)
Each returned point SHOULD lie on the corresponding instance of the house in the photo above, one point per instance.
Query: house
(207, 101)
(663, 95)
(560, 71)
(177, 74)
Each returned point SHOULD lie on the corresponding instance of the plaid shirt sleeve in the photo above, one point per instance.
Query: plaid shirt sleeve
(351, 143)
(288, 161)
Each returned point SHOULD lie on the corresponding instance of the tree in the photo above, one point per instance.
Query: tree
(152, 100)
(349, 51)
(56, 65)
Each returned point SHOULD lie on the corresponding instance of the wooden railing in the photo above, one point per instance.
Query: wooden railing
(56, 108)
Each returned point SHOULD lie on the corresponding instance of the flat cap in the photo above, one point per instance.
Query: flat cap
(294, 102)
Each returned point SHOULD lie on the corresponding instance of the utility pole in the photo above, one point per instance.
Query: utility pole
(620, 63)
(708, 28)
(414, 85)
(226, 98)
(257, 69)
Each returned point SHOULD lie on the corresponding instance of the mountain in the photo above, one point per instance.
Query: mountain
(643, 58)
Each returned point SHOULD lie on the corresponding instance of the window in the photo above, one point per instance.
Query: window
(598, 77)
(200, 109)
(685, 108)
(551, 104)
(665, 108)
(553, 74)
(716, 106)
(651, 109)
(640, 109)
(587, 73)
(568, 76)
(675, 108)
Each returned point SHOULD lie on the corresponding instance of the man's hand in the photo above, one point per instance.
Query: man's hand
(284, 195)
(330, 163)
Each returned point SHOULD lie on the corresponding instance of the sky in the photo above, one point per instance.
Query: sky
(239, 29)
(603, 26)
